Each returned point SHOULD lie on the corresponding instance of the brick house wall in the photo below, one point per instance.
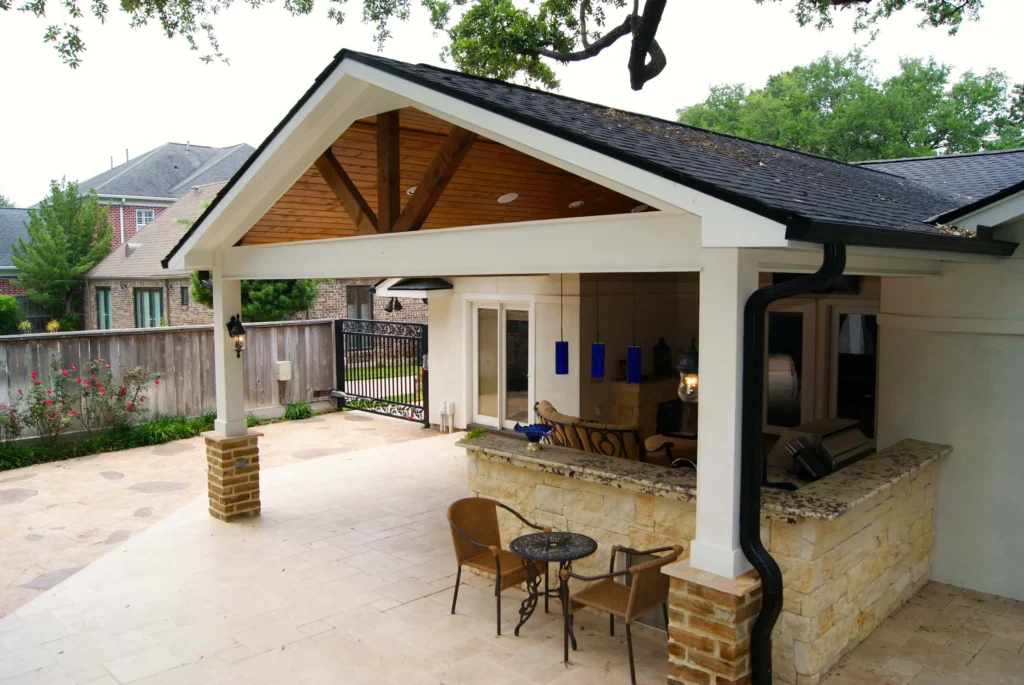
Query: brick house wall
(114, 217)
(331, 304)
(9, 286)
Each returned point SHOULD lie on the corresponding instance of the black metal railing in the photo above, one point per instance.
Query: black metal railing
(381, 368)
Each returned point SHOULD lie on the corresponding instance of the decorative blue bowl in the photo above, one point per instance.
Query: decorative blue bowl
(533, 432)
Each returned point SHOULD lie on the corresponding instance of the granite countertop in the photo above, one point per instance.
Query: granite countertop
(826, 499)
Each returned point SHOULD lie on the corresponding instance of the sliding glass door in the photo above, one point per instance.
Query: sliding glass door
(501, 364)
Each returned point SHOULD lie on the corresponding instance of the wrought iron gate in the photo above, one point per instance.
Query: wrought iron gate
(381, 368)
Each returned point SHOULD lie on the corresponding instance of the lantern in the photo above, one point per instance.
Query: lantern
(237, 332)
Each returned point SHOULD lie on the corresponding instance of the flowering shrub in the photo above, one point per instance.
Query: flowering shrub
(11, 420)
(49, 410)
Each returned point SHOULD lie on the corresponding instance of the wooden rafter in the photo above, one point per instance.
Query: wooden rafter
(347, 193)
(388, 172)
(440, 171)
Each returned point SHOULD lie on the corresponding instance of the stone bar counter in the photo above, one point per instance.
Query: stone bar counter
(852, 546)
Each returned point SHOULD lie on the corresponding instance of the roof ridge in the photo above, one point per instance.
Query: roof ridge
(955, 155)
(222, 154)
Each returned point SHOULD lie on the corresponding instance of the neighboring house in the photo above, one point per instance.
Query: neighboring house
(139, 190)
(130, 289)
(555, 220)
(12, 227)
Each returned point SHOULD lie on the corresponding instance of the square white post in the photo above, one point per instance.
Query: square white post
(227, 302)
(728, 278)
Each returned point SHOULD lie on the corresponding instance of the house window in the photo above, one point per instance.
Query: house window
(149, 307)
(143, 217)
(359, 301)
(184, 296)
(104, 317)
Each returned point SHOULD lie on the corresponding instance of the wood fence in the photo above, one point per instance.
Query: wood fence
(183, 355)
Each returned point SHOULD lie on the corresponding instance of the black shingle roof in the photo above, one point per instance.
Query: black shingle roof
(971, 177)
(12, 227)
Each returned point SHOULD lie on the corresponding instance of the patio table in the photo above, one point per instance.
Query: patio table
(563, 548)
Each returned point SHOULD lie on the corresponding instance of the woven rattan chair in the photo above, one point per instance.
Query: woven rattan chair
(474, 524)
(647, 589)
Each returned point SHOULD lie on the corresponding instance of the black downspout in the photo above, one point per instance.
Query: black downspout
(752, 466)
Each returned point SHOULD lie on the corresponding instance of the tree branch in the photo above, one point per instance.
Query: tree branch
(590, 49)
(640, 70)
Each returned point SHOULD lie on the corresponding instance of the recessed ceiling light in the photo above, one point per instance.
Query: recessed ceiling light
(639, 208)
(411, 191)
(576, 204)
(507, 197)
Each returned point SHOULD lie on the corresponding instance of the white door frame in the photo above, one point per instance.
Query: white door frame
(501, 304)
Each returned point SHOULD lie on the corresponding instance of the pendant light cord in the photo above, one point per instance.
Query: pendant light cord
(634, 313)
(561, 305)
(597, 306)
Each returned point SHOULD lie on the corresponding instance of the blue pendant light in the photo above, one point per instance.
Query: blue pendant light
(633, 357)
(597, 348)
(561, 345)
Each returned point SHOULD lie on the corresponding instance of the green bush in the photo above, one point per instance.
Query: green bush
(251, 421)
(10, 314)
(297, 410)
(71, 322)
(474, 433)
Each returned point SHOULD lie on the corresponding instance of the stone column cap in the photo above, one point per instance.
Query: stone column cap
(214, 436)
(739, 586)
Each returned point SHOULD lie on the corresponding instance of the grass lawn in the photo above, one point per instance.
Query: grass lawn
(367, 373)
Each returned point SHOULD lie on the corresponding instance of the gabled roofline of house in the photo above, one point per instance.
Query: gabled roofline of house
(961, 212)
(866, 235)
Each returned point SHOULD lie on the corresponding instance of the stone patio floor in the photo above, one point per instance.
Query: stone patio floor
(57, 518)
(347, 577)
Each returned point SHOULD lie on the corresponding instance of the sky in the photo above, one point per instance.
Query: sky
(137, 90)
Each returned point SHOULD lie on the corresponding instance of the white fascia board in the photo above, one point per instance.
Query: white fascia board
(727, 225)
(901, 253)
(999, 212)
(807, 258)
(605, 244)
(339, 101)
(105, 198)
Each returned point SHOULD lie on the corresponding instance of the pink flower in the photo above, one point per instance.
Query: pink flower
(53, 416)
(157, 381)
(35, 382)
(33, 374)
(130, 406)
(72, 367)
(20, 392)
(142, 399)
(72, 413)
(108, 366)
(64, 372)
(88, 383)
(121, 390)
(101, 390)
(78, 380)
(49, 392)
(47, 401)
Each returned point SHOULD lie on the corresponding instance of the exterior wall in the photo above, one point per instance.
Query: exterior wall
(950, 372)
(451, 334)
(114, 217)
(842, 578)
(9, 286)
(666, 306)
(333, 303)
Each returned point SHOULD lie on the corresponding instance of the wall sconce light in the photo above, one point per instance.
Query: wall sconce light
(393, 305)
(237, 332)
(688, 368)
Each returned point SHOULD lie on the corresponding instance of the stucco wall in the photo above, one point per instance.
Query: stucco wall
(956, 385)
(450, 338)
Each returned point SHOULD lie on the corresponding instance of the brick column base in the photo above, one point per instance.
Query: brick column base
(233, 475)
(710, 619)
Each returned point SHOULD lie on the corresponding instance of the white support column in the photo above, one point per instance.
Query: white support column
(227, 302)
(728, 278)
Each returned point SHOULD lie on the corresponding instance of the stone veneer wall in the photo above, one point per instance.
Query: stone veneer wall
(842, 578)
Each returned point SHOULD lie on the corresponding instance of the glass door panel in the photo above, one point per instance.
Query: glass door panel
(854, 372)
(517, 367)
(487, 355)
(789, 368)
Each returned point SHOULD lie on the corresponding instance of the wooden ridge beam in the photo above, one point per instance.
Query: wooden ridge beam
(389, 190)
(347, 193)
(440, 171)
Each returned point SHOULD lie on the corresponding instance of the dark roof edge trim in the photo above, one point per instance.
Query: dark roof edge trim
(866, 235)
(954, 214)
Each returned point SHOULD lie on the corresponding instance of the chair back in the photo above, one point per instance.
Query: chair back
(611, 440)
(477, 517)
(648, 585)
(563, 432)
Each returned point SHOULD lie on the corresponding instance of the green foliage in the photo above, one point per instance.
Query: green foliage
(836, 107)
(474, 433)
(297, 410)
(10, 314)
(153, 432)
(25, 326)
(265, 300)
(67, 235)
(500, 38)
(4, 202)
(70, 322)
(251, 421)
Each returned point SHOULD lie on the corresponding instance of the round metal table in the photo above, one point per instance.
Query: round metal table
(560, 547)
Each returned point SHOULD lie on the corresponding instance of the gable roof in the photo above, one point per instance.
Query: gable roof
(970, 177)
(140, 257)
(169, 171)
(12, 227)
(811, 195)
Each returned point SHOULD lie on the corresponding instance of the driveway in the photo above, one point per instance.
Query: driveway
(57, 518)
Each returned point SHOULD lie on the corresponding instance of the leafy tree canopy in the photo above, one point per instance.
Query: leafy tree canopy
(67, 235)
(500, 38)
(4, 202)
(836, 107)
(265, 300)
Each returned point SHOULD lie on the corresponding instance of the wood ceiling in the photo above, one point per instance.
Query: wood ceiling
(311, 208)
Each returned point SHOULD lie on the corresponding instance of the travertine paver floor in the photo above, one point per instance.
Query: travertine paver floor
(346, 578)
(57, 518)
(943, 636)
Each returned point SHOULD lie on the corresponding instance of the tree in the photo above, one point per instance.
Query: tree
(67, 235)
(10, 314)
(4, 202)
(497, 38)
(836, 107)
(265, 300)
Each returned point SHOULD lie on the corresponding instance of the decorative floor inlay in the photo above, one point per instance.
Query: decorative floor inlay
(16, 495)
(157, 486)
(112, 475)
